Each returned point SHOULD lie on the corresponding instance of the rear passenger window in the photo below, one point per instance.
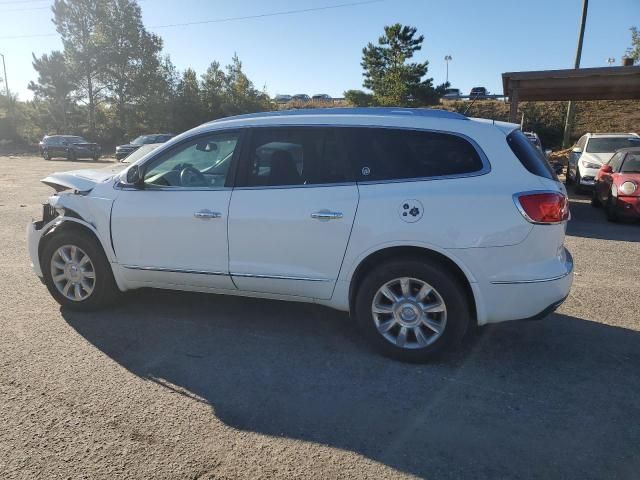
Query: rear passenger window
(530, 157)
(388, 154)
(296, 156)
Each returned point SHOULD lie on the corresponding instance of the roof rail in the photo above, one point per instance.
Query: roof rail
(384, 111)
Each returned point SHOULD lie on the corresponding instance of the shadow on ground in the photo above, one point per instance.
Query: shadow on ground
(548, 399)
(590, 222)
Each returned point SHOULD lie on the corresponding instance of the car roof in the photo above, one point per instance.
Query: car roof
(364, 111)
(613, 134)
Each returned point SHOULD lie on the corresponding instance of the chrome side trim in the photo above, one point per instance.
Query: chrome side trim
(280, 277)
(171, 270)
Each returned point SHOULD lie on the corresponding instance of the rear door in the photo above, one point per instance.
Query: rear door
(291, 216)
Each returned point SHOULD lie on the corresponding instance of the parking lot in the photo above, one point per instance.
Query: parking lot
(175, 385)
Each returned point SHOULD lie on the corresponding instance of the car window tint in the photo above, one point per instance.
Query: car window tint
(631, 164)
(611, 144)
(530, 157)
(288, 156)
(202, 162)
(388, 154)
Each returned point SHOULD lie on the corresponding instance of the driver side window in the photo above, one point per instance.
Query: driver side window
(200, 163)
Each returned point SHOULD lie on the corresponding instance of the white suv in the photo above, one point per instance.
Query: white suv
(420, 223)
(591, 151)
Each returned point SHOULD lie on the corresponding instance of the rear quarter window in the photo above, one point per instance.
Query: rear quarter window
(530, 157)
(380, 154)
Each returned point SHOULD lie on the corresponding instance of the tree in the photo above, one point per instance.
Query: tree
(634, 50)
(131, 57)
(188, 109)
(53, 89)
(213, 90)
(359, 98)
(241, 95)
(387, 73)
(77, 22)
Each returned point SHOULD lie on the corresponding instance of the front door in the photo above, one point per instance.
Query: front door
(174, 230)
(291, 217)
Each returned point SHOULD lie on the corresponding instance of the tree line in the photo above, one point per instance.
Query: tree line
(112, 81)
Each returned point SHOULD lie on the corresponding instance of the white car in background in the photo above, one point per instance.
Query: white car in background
(591, 151)
(420, 223)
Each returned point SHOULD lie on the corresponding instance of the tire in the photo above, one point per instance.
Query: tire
(103, 287)
(578, 188)
(612, 216)
(567, 179)
(96, 158)
(453, 322)
(595, 201)
(45, 155)
(71, 155)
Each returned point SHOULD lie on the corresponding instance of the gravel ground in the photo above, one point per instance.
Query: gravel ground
(174, 385)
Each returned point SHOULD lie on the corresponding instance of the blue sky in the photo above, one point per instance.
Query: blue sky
(320, 52)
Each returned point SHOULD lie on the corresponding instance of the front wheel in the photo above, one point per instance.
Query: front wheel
(77, 272)
(45, 155)
(610, 210)
(412, 311)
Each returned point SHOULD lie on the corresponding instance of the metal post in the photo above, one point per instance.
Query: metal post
(6, 83)
(447, 59)
(568, 124)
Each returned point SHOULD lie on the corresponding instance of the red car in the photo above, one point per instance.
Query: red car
(617, 185)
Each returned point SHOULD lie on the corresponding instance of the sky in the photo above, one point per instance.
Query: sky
(320, 51)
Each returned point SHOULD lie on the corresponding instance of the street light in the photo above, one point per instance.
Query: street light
(447, 59)
(6, 83)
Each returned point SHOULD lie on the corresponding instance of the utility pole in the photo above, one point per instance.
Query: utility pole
(447, 59)
(6, 83)
(568, 124)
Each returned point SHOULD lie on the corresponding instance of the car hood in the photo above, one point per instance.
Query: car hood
(596, 157)
(81, 180)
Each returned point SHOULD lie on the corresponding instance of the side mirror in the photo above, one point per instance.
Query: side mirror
(606, 169)
(135, 176)
(576, 150)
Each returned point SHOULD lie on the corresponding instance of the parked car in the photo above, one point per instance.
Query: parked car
(70, 147)
(321, 97)
(282, 98)
(617, 185)
(591, 151)
(140, 152)
(420, 223)
(123, 150)
(478, 93)
(301, 97)
(452, 94)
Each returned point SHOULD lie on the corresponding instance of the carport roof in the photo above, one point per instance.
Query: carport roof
(605, 83)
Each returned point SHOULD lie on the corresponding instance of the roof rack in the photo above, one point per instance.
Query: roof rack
(384, 111)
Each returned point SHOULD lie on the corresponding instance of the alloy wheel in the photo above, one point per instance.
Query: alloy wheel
(73, 273)
(409, 313)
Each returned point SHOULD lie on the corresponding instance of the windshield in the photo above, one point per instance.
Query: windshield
(75, 139)
(631, 164)
(611, 144)
(143, 139)
(141, 152)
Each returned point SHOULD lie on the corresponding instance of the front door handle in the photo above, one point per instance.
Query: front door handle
(205, 214)
(326, 215)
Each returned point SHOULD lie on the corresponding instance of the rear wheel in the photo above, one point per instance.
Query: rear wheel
(412, 311)
(77, 272)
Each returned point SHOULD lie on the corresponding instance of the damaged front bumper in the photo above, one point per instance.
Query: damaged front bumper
(35, 230)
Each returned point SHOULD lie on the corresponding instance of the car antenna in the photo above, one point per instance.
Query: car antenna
(470, 105)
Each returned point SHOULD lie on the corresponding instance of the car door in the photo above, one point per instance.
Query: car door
(173, 229)
(292, 212)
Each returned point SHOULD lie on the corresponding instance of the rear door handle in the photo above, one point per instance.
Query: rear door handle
(205, 214)
(326, 215)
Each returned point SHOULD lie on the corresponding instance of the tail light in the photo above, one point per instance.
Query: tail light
(545, 208)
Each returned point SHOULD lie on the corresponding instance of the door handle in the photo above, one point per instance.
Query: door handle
(326, 215)
(205, 214)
